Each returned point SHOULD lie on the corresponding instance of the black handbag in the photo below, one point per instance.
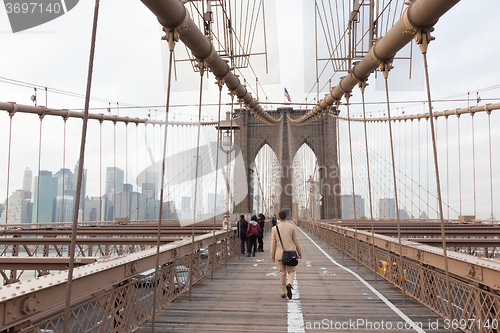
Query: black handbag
(290, 258)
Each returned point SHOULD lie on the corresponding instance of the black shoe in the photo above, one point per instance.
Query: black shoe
(253, 254)
(289, 291)
(248, 255)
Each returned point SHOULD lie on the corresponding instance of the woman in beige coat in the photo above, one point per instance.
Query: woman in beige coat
(290, 243)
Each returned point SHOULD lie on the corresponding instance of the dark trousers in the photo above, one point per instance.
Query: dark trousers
(244, 242)
(252, 244)
(260, 238)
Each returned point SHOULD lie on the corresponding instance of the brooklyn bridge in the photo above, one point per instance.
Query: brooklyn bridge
(121, 217)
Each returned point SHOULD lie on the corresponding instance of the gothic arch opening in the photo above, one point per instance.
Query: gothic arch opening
(306, 183)
(265, 181)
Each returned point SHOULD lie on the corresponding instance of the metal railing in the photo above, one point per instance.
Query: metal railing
(475, 291)
(114, 295)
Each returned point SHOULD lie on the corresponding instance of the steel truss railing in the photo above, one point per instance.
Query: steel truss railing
(473, 282)
(113, 295)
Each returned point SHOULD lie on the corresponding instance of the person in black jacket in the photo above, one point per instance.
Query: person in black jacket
(262, 221)
(242, 230)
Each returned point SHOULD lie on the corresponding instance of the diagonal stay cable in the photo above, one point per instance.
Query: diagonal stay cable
(80, 171)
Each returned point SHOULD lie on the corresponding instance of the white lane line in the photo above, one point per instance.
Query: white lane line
(294, 315)
(375, 291)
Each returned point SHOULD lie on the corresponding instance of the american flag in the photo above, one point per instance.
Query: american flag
(287, 95)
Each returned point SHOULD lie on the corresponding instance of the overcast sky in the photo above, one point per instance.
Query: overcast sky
(128, 69)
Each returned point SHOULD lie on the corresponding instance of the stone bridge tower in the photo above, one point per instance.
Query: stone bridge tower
(285, 139)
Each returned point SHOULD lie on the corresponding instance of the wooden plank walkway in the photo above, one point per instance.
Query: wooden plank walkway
(245, 297)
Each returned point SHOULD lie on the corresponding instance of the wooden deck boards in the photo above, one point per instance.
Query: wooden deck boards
(245, 297)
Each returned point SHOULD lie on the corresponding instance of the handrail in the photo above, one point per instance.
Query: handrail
(40, 300)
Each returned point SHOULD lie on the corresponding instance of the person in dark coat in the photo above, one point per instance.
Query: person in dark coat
(242, 230)
(252, 233)
(260, 237)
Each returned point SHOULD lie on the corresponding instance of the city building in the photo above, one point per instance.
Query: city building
(64, 208)
(130, 204)
(114, 180)
(215, 201)
(348, 208)
(387, 208)
(27, 179)
(17, 211)
(92, 209)
(44, 198)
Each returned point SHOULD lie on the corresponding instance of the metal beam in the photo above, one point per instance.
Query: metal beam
(37, 263)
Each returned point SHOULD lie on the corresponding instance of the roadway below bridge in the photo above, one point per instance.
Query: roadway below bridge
(331, 294)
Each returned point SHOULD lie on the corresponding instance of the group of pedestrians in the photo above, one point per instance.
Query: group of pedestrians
(252, 233)
(284, 239)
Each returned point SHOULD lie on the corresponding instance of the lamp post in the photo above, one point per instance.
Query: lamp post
(310, 181)
(227, 128)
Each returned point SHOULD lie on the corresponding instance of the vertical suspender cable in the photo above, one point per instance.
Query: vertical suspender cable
(362, 86)
(64, 169)
(347, 95)
(338, 203)
(171, 44)
(114, 170)
(80, 171)
(127, 213)
(401, 268)
(39, 165)
(412, 181)
(427, 172)
(220, 83)
(137, 168)
(473, 163)
(419, 167)
(201, 64)
(101, 218)
(423, 47)
(491, 164)
(459, 165)
(447, 171)
(8, 170)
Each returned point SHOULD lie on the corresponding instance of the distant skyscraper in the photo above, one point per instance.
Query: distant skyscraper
(92, 210)
(131, 204)
(114, 179)
(65, 180)
(217, 200)
(44, 198)
(347, 206)
(83, 192)
(64, 208)
(387, 208)
(18, 209)
(403, 214)
(27, 179)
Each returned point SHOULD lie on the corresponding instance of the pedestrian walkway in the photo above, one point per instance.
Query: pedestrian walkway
(330, 295)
